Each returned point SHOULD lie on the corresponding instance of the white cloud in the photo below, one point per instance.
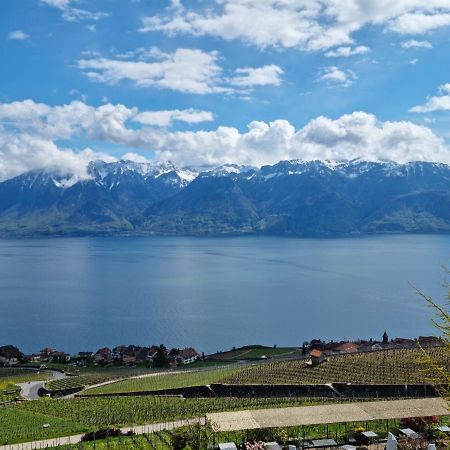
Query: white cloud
(20, 153)
(304, 24)
(439, 102)
(18, 35)
(356, 135)
(337, 77)
(185, 70)
(166, 118)
(29, 133)
(73, 14)
(413, 43)
(260, 76)
(347, 51)
(413, 61)
(421, 23)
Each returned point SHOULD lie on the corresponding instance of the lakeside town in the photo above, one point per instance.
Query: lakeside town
(160, 356)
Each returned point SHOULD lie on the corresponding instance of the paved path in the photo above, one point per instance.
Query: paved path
(30, 390)
(140, 429)
(331, 413)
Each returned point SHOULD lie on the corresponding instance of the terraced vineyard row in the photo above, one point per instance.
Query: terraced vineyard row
(166, 381)
(396, 366)
(90, 377)
(24, 421)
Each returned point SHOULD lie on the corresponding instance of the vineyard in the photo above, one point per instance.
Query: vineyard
(93, 376)
(166, 381)
(396, 366)
(24, 421)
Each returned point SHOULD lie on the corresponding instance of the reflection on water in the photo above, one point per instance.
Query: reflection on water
(213, 293)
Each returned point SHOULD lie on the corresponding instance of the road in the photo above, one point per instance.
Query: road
(30, 390)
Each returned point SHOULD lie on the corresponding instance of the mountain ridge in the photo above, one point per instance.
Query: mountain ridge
(292, 198)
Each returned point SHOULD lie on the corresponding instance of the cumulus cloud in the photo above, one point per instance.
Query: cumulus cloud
(413, 43)
(18, 35)
(347, 51)
(73, 14)
(185, 70)
(356, 135)
(30, 132)
(260, 76)
(166, 118)
(337, 77)
(439, 102)
(310, 25)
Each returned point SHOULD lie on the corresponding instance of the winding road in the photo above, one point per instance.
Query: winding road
(30, 390)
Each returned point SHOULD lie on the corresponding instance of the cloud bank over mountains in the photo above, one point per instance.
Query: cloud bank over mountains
(36, 135)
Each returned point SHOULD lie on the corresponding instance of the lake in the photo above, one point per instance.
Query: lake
(79, 294)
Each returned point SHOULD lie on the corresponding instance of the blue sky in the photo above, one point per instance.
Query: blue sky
(184, 79)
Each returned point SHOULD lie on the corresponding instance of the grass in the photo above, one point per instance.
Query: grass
(20, 425)
(383, 367)
(166, 381)
(251, 353)
(23, 422)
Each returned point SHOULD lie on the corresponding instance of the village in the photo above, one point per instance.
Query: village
(317, 351)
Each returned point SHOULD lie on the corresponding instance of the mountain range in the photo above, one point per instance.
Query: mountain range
(294, 198)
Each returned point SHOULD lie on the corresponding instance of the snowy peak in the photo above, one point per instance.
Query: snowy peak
(109, 173)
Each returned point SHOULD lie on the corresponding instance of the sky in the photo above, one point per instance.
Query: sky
(209, 82)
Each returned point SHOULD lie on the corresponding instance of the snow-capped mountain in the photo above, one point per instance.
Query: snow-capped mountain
(297, 197)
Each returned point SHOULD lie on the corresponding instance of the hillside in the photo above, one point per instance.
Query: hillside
(294, 198)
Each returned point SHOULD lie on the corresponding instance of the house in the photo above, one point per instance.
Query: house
(430, 341)
(317, 357)
(128, 360)
(145, 354)
(404, 343)
(84, 357)
(103, 356)
(45, 354)
(10, 355)
(370, 347)
(118, 352)
(187, 356)
(347, 347)
(152, 353)
(59, 357)
(317, 344)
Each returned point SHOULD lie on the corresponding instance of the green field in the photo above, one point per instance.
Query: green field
(383, 367)
(166, 381)
(256, 352)
(24, 421)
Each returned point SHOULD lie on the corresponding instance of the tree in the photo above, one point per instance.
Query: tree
(441, 321)
(193, 437)
(161, 359)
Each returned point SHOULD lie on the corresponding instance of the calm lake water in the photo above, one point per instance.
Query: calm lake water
(83, 293)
